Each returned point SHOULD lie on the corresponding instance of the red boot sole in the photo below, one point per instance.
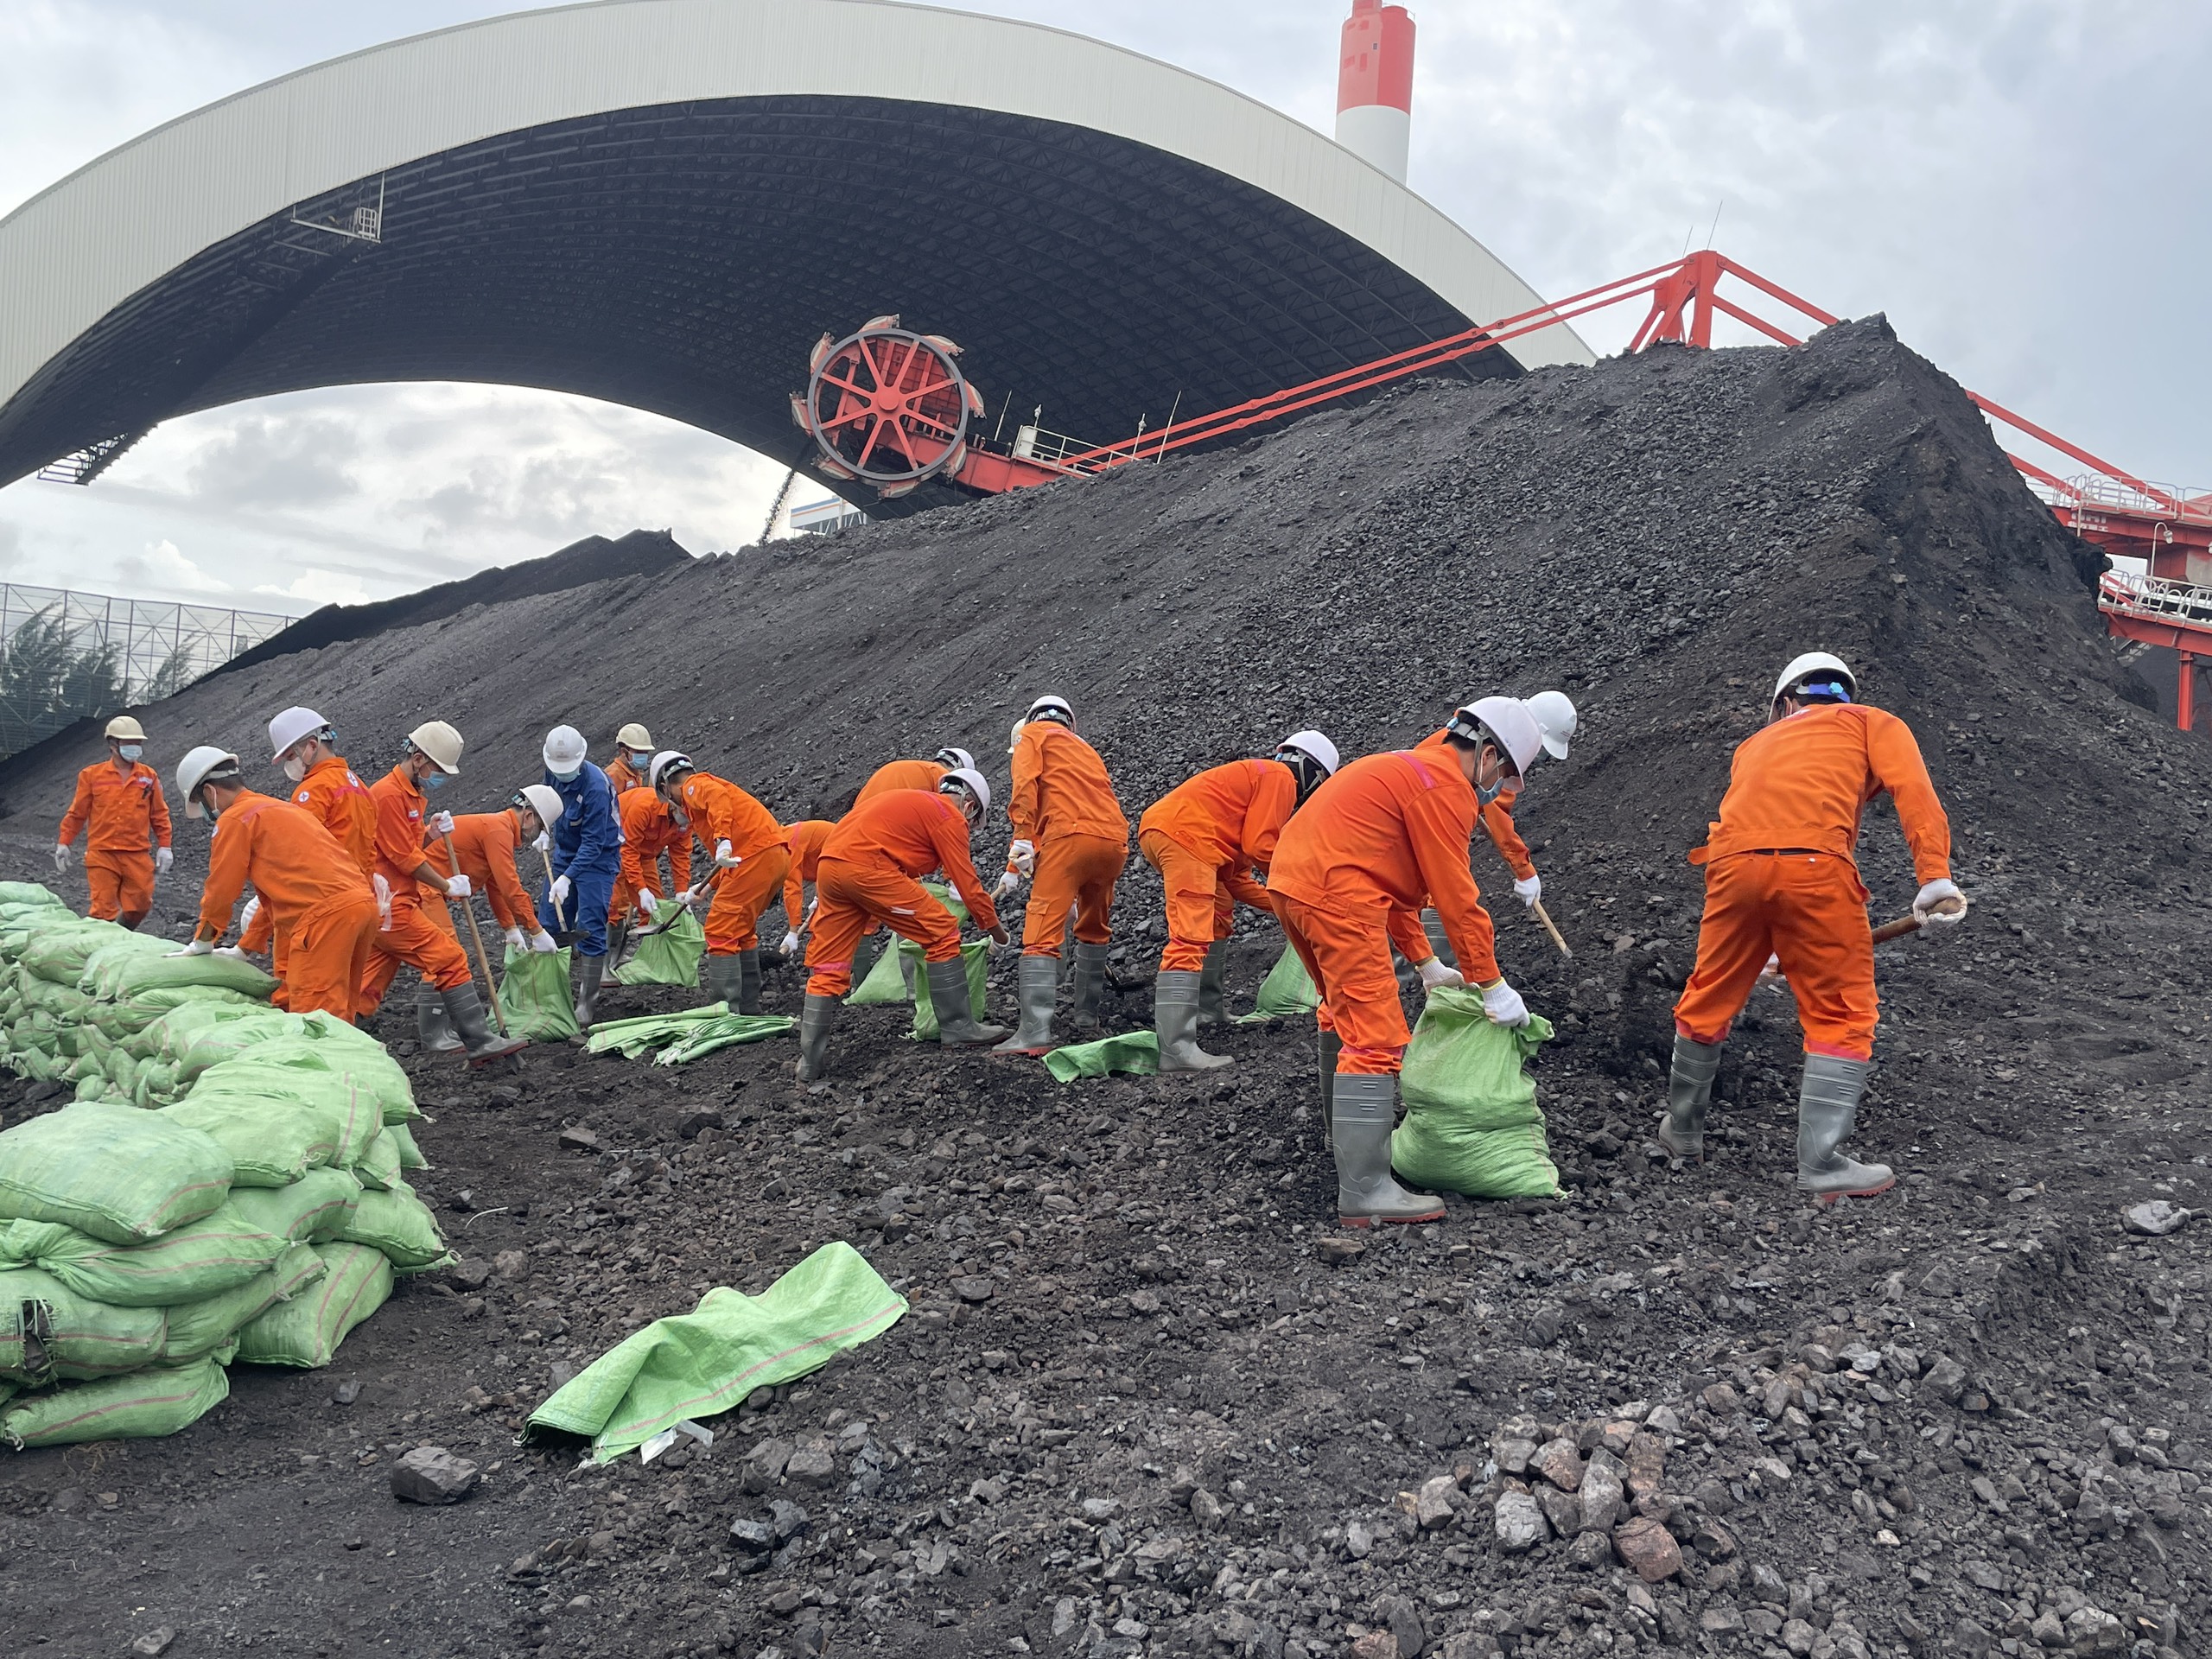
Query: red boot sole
(1364, 1222)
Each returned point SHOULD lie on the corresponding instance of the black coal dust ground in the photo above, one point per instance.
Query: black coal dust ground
(1136, 1408)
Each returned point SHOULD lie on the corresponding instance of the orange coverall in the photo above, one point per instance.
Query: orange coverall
(719, 811)
(420, 933)
(486, 844)
(805, 844)
(1498, 820)
(120, 814)
(324, 912)
(649, 830)
(1206, 837)
(341, 802)
(1064, 805)
(622, 776)
(867, 875)
(1780, 877)
(899, 775)
(1387, 835)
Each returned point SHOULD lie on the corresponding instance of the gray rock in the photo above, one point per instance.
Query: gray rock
(1562, 1509)
(430, 1474)
(1359, 1540)
(813, 1466)
(2155, 1219)
(2092, 1630)
(1591, 1551)
(1207, 1510)
(1404, 1620)
(1432, 1505)
(1520, 1524)
(1604, 1496)
(764, 1465)
(155, 1641)
(1946, 1380)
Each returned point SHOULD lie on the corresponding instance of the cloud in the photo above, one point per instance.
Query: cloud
(163, 568)
(11, 547)
(279, 461)
(320, 588)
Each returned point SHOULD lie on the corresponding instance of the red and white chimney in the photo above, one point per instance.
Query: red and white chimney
(1375, 86)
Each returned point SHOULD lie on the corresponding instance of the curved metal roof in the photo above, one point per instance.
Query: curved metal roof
(663, 203)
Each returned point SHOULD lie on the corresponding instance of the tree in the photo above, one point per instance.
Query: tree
(178, 669)
(46, 683)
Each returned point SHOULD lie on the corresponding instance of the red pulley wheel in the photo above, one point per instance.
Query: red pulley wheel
(889, 406)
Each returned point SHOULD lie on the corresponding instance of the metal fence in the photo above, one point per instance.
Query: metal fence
(66, 655)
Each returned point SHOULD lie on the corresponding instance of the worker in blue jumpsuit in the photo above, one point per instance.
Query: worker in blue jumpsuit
(586, 855)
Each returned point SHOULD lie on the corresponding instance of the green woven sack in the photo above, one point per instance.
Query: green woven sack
(401, 1225)
(976, 957)
(28, 895)
(198, 1329)
(1471, 1123)
(1136, 1052)
(670, 957)
(886, 983)
(306, 1330)
(327, 1078)
(535, 996)
(378, 1168)
(47, 1331)
(273, 1139)
(125, 970)
(1286, 993)
(144, 1406)
(203, 1258)
(314, 1210)
(58, 955)
(111, 1171)
(411, 1155)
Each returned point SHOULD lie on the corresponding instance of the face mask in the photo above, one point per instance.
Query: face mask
(130, 751)
(569, 777)
(295, 768)
(435, 780)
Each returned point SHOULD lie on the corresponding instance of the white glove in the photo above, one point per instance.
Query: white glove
(246, 917)
(163, 857)
(649, 901)
(725, 857)
(197, 948)
(689, 897)
(789, 945)
(1006, 884)
(1504, 1005)
(1530, 890)
(1434, 975)
(1022, 855)
(458, 887)
(542, 940)
(61, 855)
(544, 843)
(383, 903)
(560, 890)
(1773, 969)
(1935, 894)
(514, 938)
(230, 950)
(442, 822)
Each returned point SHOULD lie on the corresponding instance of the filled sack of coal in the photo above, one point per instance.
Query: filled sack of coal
(1471, 1123)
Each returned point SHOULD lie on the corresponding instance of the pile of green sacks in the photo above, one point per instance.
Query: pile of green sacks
(228, 1184)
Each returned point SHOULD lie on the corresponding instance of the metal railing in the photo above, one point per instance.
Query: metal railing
(2155, 599)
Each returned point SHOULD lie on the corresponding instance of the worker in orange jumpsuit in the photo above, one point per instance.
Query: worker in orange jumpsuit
(1780, 880)
(649, 828)
(914, 774)
(1385, 836)
(1206, 837)
(304, 745)
(804, 843)
(632, 766)
(320, 903)
(125, 817)
(482, 847)
(410, 934)
(749, 858)
(866, 873)
(1069, 834)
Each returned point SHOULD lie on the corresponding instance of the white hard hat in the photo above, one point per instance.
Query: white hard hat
(439, 741)
(1052, 708)
(290, 727)
(659, 768)
(1555, 718)
(635, 737)
(955, 760)
(1815, 664)
(545, 800)
(1314, 744)
(971, 780)
(564, 749)
(1505, 720)
(205, 762)
(124, 729)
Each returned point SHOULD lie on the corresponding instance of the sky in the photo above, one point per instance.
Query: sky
(2017, 184)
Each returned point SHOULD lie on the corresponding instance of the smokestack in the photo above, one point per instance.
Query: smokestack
(1375, 86)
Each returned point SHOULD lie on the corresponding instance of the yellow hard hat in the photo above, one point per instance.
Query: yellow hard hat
(636, 738)
(439, 741)
(124, 729)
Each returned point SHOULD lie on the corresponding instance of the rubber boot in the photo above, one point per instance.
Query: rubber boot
(1174, 1012)
(864, 956)
(815, 1019)
(464, 1008)
(957, 1025)
(1090, 985)
(1330, 1045)
(724, 981)
(1037, 983)
(1689, 1091)
(590, 971)
(1432, 925)
(621, 943)
(1367, 1194)
(906, 967)
(1211, 981)
(1828, 1109)
(748, 980)
(433, 1030)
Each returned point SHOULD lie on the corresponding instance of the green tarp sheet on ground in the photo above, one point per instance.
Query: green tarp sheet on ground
(1471, 1123)
(535, 997)
(669, 955)
(1286, 992)
(705, 1361)
(687, 1035)
(1136, 1052)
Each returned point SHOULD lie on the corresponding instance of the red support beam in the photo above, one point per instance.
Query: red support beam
(2186, 695)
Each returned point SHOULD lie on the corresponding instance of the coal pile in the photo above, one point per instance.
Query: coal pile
(1148, 1402)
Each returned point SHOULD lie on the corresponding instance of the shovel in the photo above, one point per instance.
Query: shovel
(559, 920)
(697, 898)
(1544, 916)
(1903, 927)
(483, 958)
